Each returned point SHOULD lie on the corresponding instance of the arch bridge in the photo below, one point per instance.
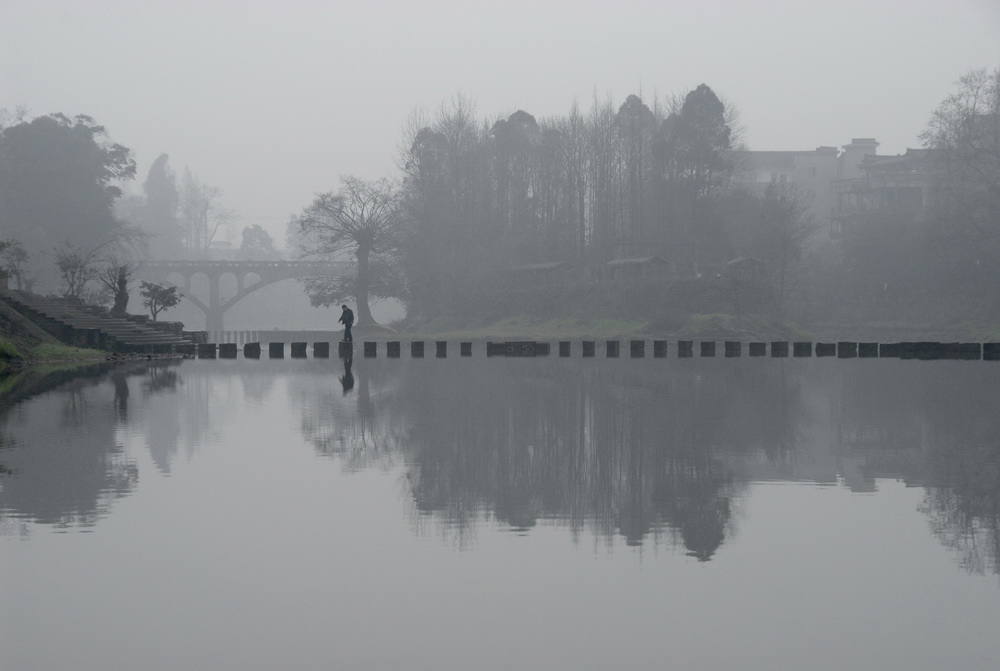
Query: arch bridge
(245, 273)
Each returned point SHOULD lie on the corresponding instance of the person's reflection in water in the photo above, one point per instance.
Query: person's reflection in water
(347, 380)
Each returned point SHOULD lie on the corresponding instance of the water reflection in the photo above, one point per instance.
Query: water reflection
(69, 466)
(635, 452)
(347, 379)
(640, 452)
(664, 453)
(67, 425)
(355, 421)
(934, 426)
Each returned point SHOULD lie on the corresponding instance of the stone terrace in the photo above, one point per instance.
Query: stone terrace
(81, 325)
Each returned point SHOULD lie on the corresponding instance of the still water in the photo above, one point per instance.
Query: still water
(503, 514)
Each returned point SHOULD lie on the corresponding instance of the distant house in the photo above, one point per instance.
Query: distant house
(746, 269)
(813, 173)
(551, 272)
(902, 181)
(639, 266)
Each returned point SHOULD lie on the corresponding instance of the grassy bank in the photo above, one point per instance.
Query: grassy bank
(707, 326)
(16, 355)
(524, 327)
(519, 327)
(10, 355)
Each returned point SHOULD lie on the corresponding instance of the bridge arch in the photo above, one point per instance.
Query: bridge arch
(244, 272)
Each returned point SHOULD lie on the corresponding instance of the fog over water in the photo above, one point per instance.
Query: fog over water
(498, 513)
(716, 171)
(273, 102)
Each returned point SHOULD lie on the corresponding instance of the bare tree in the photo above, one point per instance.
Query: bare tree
(13, 257)
(77, 267)
(363, 219)
(963, 139)
(116, 275)
(202, 214)
(779, 234)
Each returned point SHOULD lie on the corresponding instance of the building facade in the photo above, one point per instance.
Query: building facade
(901, 182)
(820, 176)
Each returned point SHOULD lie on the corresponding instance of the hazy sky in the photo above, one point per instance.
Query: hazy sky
(273, 101)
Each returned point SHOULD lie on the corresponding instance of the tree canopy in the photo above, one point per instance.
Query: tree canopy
(485, 198)
(158, 298)
(363, 220)
(257, 244)
(963, 143)
(58, 181)
(160, 211)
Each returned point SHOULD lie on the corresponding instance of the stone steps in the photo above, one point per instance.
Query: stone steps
(82, 325)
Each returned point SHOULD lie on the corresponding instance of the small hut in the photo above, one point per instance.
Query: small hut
(746, 269)
(552, 272)
(638, 266)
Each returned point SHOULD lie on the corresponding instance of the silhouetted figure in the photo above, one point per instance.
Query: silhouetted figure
(347, 380)
(347, 319)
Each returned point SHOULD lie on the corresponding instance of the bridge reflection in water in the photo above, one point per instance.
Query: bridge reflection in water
(249, 276)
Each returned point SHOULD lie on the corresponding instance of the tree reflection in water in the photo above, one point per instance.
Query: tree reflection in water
(963, 489)
(343, 415)
(662, 453)
(70, 465)
(638, 452)
(642, 451)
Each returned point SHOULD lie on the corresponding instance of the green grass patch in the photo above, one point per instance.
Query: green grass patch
(746, 327)
(8, 379)
(54, 352)
(8, 350)
(963, 331)
(985, 333)
(9, 354)
(524, 327)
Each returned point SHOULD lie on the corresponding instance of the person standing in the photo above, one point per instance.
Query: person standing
(347, 319)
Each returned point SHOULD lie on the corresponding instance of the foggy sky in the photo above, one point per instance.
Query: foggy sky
(271, 101)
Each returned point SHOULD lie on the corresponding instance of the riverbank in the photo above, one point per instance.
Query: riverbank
(523, 327)
(24, 344)
(716, 326)
(16, 356)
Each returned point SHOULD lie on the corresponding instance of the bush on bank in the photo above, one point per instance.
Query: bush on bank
(10, 356)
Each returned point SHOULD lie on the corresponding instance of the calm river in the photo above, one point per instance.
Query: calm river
(490, 513)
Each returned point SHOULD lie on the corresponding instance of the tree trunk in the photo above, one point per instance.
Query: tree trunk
(364, 312)
(120, 307)
(121, 297)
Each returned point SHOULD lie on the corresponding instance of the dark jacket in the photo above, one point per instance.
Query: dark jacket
(347, 317)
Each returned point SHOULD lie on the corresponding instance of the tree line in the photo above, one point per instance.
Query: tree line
(486, 198)
(513, 214)
(484, 201)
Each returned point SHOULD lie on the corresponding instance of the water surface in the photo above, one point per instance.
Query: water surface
(503, 514)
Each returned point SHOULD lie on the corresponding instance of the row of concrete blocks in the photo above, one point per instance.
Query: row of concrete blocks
(612, 349)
